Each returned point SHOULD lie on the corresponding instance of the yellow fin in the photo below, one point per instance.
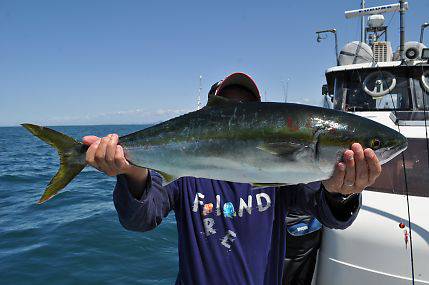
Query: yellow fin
(166, 178)
(268, 184)
(72, 158)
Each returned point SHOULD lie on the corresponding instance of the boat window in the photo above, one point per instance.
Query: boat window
(339, 94)
(372, 91)
(420, 87)
(392, 179)
(408, 93)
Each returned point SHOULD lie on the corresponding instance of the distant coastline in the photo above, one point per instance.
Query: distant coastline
(86, 125)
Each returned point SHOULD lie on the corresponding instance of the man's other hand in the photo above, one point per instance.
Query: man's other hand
(106, 155)
(359, 170)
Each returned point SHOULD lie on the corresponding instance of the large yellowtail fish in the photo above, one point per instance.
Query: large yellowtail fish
(258, 143)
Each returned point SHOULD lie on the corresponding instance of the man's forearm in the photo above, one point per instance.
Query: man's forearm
(146, 212)
(137, 180)
(342, 207)
(312, 199)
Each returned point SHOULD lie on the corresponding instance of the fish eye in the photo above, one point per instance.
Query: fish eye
(375, 143)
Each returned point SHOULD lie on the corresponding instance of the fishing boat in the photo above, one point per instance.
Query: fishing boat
(389, 241)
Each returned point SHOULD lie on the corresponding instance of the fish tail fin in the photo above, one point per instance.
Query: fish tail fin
(72, 158)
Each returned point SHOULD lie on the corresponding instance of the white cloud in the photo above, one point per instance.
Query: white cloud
(134, 116)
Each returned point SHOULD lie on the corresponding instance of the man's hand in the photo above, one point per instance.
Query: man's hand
(359, 170)
(107, 156)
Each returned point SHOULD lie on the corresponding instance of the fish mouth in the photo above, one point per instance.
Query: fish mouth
(390, 153)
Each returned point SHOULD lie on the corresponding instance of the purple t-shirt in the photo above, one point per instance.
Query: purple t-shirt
(229, 233)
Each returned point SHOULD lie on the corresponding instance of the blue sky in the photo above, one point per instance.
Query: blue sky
(103, 62)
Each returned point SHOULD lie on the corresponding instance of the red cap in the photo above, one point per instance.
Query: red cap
(237, 78)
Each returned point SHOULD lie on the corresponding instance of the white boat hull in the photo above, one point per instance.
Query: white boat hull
(375, 249)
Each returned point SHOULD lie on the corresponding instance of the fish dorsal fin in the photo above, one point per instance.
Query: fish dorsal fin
(218, 101)
(268, 184)
(166, 178)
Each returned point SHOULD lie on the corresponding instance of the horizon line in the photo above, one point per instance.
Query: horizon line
(84, 125)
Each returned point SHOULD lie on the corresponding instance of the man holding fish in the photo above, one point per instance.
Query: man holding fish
(231, 232)
(230, 172)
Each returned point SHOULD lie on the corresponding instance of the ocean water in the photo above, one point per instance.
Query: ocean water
(75, 238)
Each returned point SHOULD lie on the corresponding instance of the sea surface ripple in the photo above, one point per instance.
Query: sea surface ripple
(76, 237)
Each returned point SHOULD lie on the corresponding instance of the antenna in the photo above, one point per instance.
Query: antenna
(424, 26)
(285, 89)
(199, 94)
(375, 10)
(320, 38)
(362, 23)
(402, 9)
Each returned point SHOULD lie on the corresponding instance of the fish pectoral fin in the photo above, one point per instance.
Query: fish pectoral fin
(166, 178)
(268, 184)
(285, 149)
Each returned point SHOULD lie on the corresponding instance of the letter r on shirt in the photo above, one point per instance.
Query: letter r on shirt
(208, 226)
